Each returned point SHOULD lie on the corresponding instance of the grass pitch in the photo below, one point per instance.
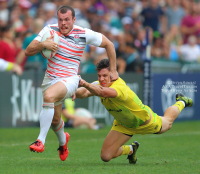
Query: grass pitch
(174, 152)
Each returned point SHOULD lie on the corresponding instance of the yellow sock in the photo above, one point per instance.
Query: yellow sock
(126, 150)
(180, 105)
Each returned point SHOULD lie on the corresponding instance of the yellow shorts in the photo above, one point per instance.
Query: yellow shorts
(154, 126)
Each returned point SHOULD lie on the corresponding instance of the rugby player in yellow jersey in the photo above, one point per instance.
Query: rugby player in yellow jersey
(130, 115)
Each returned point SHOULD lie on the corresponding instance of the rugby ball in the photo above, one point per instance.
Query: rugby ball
(48, 53)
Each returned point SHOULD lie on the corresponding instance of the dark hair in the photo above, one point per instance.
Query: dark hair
(6, 28)
(104, 63)
(63, 9)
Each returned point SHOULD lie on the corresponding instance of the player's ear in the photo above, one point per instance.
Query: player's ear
(110, 77)
(74, 19)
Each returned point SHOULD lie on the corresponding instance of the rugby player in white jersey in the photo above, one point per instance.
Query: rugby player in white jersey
(61, 79)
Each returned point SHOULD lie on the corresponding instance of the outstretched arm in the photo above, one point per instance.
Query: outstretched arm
(110, 49)
(82, 93)
(97, 90)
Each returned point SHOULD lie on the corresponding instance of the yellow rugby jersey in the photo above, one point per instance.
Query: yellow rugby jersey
(126, 108)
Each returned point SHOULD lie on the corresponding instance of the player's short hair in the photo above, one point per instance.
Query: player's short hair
(104, 63)
(63, 9)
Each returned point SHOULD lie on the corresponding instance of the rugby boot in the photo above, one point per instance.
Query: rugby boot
(37, 146)
(188, 101)
(63, 150)
(132, 158)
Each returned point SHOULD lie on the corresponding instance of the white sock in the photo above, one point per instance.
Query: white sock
(183, 103)
(46, 117)
(59, 131)
(131, 149)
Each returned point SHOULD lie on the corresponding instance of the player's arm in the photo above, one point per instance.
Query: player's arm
(110, 49)
(99, 40)
(36, 46)
(98, 90)
(82, 92)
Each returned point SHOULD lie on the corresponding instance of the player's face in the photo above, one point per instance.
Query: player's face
(65, 22)
(104, 77)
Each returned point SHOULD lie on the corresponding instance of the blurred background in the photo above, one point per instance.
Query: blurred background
(157, 44)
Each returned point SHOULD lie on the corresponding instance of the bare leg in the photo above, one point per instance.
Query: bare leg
(170, 115)
(112, 145)
(57, 115)
(58, 125)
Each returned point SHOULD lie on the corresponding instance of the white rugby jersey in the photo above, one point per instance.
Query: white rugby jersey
(66, 61)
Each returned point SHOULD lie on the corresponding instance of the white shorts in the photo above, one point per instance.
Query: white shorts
(71, 84)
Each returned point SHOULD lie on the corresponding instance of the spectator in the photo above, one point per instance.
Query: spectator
(15, 18)
(127, 24)
(157, 50)
(190, 52)
(4, 13)
(21, 60)
(154, 17)
(120, 52)
(25, 6)
(186, 6)
(138, 7)
(174, 14)
(171, 41)
(50, 12)
(129, 7)
(26, 26)
(136, 27)
(191, 22)
(8, 49)
(140, 41)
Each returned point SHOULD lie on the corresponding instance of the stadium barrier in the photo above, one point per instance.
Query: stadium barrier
(21, 98)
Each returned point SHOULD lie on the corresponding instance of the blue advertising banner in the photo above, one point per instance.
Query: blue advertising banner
(165, 87)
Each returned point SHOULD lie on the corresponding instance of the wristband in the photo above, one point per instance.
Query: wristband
(10, 66)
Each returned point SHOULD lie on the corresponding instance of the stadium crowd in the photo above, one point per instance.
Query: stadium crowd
(173, 28)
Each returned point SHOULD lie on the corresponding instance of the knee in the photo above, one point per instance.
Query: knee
(165, 127)
(105, 156)
(169, 124)
(48, 97)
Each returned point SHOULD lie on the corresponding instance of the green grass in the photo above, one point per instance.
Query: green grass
(175, 152)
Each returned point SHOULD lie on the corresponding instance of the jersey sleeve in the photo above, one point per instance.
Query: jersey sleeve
(93, 38)
(5, 66)
(41, 34)
(121, 89)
